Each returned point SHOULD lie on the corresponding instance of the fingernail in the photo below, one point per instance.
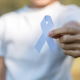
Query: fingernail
(50, 33)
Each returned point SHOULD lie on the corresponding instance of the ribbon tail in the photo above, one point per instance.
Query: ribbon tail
(51, 44)
(40, 43)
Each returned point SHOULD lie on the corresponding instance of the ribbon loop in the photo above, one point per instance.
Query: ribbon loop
(46, 26)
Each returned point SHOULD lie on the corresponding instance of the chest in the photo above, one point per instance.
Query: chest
(22, 36)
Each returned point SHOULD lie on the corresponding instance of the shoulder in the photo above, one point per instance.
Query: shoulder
(14, 14)
(8, 16)
(71, 9)
(69, 13)
(24, 9)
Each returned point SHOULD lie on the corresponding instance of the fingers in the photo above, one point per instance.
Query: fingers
(64, 30)
(73, 53)
(73, 46)
(69, 38)
(70, 45)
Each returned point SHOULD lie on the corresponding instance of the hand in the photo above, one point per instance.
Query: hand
(69, 38)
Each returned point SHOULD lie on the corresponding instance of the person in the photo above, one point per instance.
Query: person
(19, 33)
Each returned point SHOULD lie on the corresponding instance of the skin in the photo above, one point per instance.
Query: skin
(69, 38)
(68, 35)
(34, 4)
(70, 43)
(2, 69)
(41, 3)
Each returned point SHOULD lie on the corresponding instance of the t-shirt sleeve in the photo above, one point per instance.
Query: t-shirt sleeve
(70, 13)
(1, 36)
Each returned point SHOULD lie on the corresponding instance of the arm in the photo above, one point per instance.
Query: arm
(2, 69)
(2, 64)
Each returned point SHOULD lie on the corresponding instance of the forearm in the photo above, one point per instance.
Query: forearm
(2, 69)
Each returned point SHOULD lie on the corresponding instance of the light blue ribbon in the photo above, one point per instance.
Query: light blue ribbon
(46, 26)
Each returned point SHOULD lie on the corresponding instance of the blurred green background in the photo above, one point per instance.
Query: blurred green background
(11, 5)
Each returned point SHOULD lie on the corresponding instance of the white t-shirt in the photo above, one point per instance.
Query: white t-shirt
(19, 33)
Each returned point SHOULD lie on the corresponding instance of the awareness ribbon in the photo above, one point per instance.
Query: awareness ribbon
(46, 26)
